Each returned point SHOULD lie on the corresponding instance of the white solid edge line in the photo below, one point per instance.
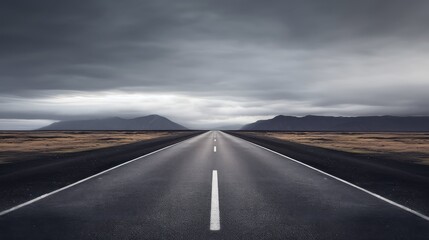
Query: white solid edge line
(214, 149)
(214, 210)
(85, 179)
(348, 183)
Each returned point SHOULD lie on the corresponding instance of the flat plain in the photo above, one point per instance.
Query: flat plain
(23, 145)
(410, 147)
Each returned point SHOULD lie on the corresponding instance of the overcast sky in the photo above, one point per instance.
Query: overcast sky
(209, 63)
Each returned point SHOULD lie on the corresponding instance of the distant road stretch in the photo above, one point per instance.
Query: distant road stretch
(212, 186)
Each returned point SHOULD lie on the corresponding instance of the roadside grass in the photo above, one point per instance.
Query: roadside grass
(412, 147)
(17, 146)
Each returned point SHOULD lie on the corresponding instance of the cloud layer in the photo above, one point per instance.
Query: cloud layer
(208, 63)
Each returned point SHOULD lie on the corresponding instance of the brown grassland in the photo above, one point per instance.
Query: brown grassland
(16, 146)
(412, 147)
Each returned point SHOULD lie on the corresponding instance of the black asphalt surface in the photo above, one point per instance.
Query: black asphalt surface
(167, 196)
(402, 181)
(22, 181)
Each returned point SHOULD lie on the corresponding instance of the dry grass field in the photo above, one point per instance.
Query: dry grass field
(401, 146)
(16, 146)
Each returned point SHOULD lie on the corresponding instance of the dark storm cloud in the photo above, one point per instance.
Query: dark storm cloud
(289, 56)
(61, 45)
(319, 21)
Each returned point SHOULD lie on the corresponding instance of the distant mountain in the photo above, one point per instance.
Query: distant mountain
(151, 122)
(353, 124)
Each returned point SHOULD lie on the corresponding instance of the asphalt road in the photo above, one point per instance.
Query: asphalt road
(404, 182)
(22, 181)
(171, 195)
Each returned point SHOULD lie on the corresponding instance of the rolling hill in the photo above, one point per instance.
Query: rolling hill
(150, 122)
(354, 124)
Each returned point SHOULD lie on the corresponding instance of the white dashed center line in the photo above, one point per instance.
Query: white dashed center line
(214, 212)
(214, 149)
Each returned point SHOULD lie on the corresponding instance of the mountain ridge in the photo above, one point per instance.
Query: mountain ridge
(330, 123)
(149, 122)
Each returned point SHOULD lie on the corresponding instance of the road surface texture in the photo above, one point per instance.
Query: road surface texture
(404, 182)
(212, 186)
(23, 181)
